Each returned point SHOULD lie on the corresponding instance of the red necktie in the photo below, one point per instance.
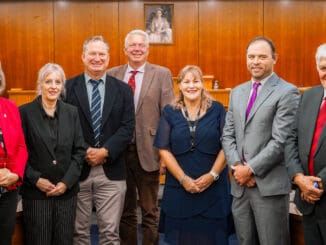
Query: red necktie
(321, 120)
(132, 82)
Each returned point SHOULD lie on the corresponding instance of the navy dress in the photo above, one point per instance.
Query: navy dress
(200, 218)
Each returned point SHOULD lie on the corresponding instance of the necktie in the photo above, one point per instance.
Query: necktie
(132, 82)
(321, 120)
(96, 111)
(252, 98)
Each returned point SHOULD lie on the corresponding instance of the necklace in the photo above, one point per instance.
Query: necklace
(192, 125)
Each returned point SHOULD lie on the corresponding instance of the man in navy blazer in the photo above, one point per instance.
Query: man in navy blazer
(310, 179)
(102, 182)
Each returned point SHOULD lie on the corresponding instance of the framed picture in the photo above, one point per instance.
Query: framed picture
(158, 22)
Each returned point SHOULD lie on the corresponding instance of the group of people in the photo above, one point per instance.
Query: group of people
(100, 140)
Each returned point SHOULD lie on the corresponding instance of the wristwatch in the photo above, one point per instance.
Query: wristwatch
(215, 175)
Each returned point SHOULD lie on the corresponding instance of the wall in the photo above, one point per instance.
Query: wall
(211, 34)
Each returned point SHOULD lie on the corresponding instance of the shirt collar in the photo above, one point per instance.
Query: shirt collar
(262, 82)
(140, 69)
(87, 78)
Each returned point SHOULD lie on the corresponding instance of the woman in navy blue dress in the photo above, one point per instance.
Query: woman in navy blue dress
(196, 199)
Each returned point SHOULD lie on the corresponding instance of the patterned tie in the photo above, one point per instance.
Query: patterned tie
(252, 98)
(320, 123)
(96, 111)
(132, 82)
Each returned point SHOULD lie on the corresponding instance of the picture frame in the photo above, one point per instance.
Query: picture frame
(159, 22)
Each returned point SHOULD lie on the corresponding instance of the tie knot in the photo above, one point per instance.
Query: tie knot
(95, 83)
(256, 85)
(133, 73)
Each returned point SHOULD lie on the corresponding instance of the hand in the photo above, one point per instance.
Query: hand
(241, 173)
(59, 189)
(162, 168)
(204, 181)
(96, 156)
(190, 185)
(309, 193)
(44, 185)
(7, 178)
(251, 182)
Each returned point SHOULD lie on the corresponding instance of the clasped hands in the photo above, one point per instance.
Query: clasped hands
(309, 192)
(198, 185)
(7, 178)
(96, 156)
(243, 175)
(51, 189)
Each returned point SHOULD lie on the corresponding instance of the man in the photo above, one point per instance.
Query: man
(106, 112)
(306, 155)
(257, 125)
(153, 89)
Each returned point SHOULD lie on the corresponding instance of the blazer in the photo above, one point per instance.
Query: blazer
(156, 92)
(118, 120)
(261, 138)
(299, 143)
(13, 136)
(62, 164)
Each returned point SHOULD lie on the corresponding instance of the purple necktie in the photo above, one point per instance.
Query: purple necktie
(252, 98)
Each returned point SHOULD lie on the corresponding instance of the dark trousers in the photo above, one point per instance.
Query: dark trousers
(314, 227)
(49, 221)
(8, 206)
(147, 184)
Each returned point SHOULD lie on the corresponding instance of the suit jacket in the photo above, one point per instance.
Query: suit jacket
(60, 164)
(13, 136)
(118, 119)
(156, 92)
(299, 144)
(261, 138)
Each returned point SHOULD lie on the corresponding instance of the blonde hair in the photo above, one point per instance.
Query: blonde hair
(2, 80)
(206, 99)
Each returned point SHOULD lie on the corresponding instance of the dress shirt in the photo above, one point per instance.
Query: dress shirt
(101, 88)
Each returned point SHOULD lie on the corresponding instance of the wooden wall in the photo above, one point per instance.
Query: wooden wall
(211, 34)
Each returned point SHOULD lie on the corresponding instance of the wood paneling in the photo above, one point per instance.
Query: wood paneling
(211, 34)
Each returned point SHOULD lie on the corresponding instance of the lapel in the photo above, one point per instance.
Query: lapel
(315, 103)
(243, 98)
(111, 92)
(39, 125)
(265, 92)
(81, 95)
(147, 80)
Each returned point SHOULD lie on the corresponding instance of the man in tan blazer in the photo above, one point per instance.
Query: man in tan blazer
(153, 89)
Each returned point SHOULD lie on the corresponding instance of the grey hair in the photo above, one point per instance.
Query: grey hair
(2, 80)
(320, 53)
(137, 32)
(98, 38)
(46, 70)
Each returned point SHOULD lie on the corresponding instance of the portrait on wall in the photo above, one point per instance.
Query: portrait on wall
(158, 23)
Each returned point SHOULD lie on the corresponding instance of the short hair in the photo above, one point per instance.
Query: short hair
(46, 70)
(97, 38)
(137, 32)
(2, 80)
(206, 99)
(320, 53)
(264, 39)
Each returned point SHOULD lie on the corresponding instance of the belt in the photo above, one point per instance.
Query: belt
(132, 148)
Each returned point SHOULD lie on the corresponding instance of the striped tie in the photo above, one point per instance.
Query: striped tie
(96, 111)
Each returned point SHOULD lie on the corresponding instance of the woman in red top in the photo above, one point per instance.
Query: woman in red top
(13, 156)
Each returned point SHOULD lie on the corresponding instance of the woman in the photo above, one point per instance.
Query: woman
(13, 156)
(159, 29)
(56, 149)
(196, 198)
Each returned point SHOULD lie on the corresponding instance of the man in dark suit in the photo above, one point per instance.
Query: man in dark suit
(306, 156)
(106, 111)
(153, 89)
(258, 122)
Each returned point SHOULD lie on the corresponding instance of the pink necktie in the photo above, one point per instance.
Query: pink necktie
(132, 82)
(252, 98)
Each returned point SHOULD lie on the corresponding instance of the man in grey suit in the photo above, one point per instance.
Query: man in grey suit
(153, 89)
(258, 122)
(306, 155)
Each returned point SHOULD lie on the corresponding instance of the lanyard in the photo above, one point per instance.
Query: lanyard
(192, 126)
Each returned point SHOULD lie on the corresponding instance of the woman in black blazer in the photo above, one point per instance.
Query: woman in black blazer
(56, 149)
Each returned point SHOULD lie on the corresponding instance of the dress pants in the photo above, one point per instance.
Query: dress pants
(261, 220)
(147, 184)
(8, 206)
(49, 221)
(107, 196)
